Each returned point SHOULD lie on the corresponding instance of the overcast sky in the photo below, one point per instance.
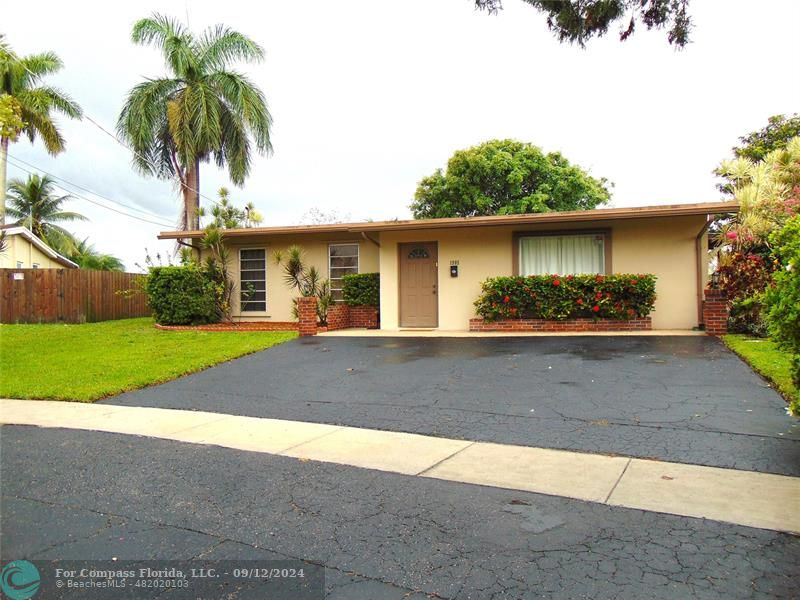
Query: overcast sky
(368, 97)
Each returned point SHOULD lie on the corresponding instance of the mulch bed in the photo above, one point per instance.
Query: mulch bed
(254, 326)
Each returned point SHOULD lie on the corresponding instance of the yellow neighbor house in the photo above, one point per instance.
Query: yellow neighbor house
(26, 251)
(431, 269)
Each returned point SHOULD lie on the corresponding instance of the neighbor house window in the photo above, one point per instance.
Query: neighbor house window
(35, 265)
(253, 270)
(342, 260)
(19, 264)
(562, 254)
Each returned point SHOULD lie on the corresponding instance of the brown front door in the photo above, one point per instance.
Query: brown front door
(418, 280)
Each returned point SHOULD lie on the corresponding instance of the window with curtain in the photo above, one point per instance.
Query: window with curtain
(562, 254)
(253, 270)
(342, 260)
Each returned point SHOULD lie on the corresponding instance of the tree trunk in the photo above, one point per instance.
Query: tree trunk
(3, 183)
(191, 196)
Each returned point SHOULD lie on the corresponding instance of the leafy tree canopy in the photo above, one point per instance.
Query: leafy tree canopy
(577, 21)
(775, 136)
(506, 177)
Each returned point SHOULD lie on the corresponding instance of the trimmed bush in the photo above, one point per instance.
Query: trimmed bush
(557, 298)
(182, 295)
(362, 289)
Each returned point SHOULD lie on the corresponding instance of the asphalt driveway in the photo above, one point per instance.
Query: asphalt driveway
(683, 399)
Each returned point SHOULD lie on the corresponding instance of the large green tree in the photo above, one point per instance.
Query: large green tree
(34, 203)
(506, 177)
(577, 21)
(27, 105)
(201, 111)
(776, 135)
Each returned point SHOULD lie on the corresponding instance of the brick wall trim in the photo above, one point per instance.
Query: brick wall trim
(569, 325)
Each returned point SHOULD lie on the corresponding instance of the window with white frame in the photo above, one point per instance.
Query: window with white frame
(19, 264)
(253, 279)
(582, 254)
(35, 265)
(342, 260)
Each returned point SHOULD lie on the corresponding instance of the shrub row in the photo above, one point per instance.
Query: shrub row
(557, 297)
(184, 295)
(362, 289)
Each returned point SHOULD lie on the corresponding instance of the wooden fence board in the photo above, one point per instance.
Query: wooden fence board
(70, 296)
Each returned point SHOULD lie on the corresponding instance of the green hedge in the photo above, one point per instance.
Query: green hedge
(557, 297)
(181, 295)
(362, 289)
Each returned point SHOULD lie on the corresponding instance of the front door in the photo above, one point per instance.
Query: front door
(418, 280)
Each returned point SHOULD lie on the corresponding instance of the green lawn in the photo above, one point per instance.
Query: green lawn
(95, 360)
(771, 362)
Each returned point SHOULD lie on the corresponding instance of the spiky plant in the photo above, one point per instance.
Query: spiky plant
(201, 111)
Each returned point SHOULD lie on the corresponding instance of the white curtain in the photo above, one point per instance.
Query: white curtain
(561, 255)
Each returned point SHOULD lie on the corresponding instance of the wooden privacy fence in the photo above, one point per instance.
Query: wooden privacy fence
(69, 296)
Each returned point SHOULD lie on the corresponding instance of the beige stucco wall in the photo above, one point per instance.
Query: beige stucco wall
(664, 246)
(279, 296)
(21, 250)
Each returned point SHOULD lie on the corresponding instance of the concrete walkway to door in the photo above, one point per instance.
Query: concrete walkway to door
(744, 498)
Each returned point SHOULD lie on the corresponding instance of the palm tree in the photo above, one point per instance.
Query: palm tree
(34, 204)
(30, 105)
(87, 257)
(201, 111)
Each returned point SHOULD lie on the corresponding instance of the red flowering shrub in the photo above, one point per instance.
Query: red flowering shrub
(552, 297)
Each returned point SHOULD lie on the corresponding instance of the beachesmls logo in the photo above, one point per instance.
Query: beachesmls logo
(20, 580)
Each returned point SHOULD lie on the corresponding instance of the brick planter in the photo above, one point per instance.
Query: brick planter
(342, 316)
(570, 325)
(307, 313)
(715, 312)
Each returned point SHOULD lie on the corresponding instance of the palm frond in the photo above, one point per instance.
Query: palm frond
(220, 45)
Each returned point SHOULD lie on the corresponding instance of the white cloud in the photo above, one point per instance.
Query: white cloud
(369, 97)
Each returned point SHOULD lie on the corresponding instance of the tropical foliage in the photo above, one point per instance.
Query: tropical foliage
(227, 216)
(783, 299)
(558, 297)
(768, 193)
(86, 257)
(27, 104)
(34, 203)
(306, 279)
(577, 21)
(506, 177)
(774, 136)
(201, 111)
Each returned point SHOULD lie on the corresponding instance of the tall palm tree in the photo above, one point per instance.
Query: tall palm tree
(30, 105)
(201, 111)
(32, 202)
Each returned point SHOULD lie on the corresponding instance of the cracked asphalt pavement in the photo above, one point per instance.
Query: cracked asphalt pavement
(69, 494)
(682, 399)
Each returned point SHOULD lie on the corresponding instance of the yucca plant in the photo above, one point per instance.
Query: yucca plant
(307, 280)
(201, 111)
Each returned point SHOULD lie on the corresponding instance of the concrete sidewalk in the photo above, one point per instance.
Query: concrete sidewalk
(741, 497)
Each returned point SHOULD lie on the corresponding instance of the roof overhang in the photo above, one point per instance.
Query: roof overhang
(600, 214)
(44, 248)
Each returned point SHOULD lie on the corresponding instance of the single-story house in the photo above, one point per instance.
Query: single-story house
(26, 251)
(431, 269)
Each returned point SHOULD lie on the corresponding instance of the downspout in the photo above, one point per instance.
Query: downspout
(366, 237)
(699, 267)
